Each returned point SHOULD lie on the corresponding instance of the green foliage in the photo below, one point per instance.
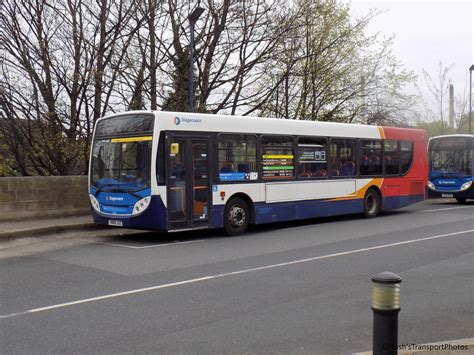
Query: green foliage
(66, 65)
(7, 163)
(439, 127)
(331, 70)
(178, 99)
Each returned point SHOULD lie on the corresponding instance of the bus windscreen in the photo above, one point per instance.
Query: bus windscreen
(451, 155)
(121, 163)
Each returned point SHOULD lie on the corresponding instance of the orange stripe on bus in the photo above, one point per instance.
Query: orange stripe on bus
(361, 192)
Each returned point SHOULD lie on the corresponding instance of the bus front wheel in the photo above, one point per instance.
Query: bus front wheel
(371, 204)
(236, 216)
(461, 199)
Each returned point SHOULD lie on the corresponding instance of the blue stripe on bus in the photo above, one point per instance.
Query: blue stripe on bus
(155, 216)
(393, 202)
(287, 211)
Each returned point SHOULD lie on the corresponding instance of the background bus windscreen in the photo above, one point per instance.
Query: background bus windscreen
(451, 156)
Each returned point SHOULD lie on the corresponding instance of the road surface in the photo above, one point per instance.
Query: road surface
(287, 288)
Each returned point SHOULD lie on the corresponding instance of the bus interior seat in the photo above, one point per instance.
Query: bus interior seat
(348, 169)
(227, 168)
(178, 170)
(320, 173)
(243, 168)
(374, 158)
(335, 165)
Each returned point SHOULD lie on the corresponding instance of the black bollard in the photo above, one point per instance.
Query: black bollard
(386, 305)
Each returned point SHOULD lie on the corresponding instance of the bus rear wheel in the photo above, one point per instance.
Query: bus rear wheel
(461, 199)
(372, 204)
(236, 216)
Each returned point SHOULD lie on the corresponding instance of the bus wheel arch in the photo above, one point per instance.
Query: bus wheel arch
(239, 212)
(372, 202)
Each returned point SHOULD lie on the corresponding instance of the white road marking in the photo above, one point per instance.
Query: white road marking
(154, 245)
(238, 272)
(293, 228)
(445, 209)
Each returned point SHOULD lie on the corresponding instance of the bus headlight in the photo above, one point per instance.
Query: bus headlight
(94, 203)
(431, 185)
(466, 185)
(141, 205)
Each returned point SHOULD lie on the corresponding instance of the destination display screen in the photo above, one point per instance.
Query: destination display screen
(131, 123)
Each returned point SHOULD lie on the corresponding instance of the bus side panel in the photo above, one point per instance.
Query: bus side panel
(394, 202)
(287, 211)
(408, 189)
(218, 216)
(153, 218)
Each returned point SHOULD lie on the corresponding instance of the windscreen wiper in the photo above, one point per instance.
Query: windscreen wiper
(100, 188)
(127, 192)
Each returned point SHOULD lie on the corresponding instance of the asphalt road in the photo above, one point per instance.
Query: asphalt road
(293, 288)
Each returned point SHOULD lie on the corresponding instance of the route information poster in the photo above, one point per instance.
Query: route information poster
(278, 166)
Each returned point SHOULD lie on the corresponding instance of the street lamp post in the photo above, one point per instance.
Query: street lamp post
(193, 17)
(470, 98)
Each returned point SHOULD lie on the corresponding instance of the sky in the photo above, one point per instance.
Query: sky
(427, 32)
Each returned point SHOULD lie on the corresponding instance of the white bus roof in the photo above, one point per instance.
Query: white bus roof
(184, 121)
(453, 135)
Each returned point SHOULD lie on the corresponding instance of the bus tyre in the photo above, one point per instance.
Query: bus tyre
(236, 216)
(371, 203)
(461, 199)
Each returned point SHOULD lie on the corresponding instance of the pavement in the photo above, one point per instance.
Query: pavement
(35, 227)
(451, 347)
(50, 226)
(31, 236)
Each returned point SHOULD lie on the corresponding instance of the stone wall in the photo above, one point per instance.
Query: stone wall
(43, 196)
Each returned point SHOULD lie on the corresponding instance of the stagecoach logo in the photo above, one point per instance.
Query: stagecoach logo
(178, 120)
(447, 182)
(113, 199)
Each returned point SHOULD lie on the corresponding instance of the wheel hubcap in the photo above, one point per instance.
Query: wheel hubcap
(236, 216)
(370, 204)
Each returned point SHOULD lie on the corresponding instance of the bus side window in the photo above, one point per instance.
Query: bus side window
(391, 158)
(312, 161)
(370, 157)
(342, 157)
(278, 160)
(237, 157)
(160, 160)
(406, 156)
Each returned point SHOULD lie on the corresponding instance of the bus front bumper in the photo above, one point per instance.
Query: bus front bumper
(469, 193)
(153, 218)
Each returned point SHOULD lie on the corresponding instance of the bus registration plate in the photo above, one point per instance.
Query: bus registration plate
(115, 223)
(446, 195)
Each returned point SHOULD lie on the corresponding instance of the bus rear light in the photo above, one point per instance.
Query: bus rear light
(141, 205)
(466, 185)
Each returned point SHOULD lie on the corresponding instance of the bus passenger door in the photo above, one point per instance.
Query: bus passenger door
(188, 182)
